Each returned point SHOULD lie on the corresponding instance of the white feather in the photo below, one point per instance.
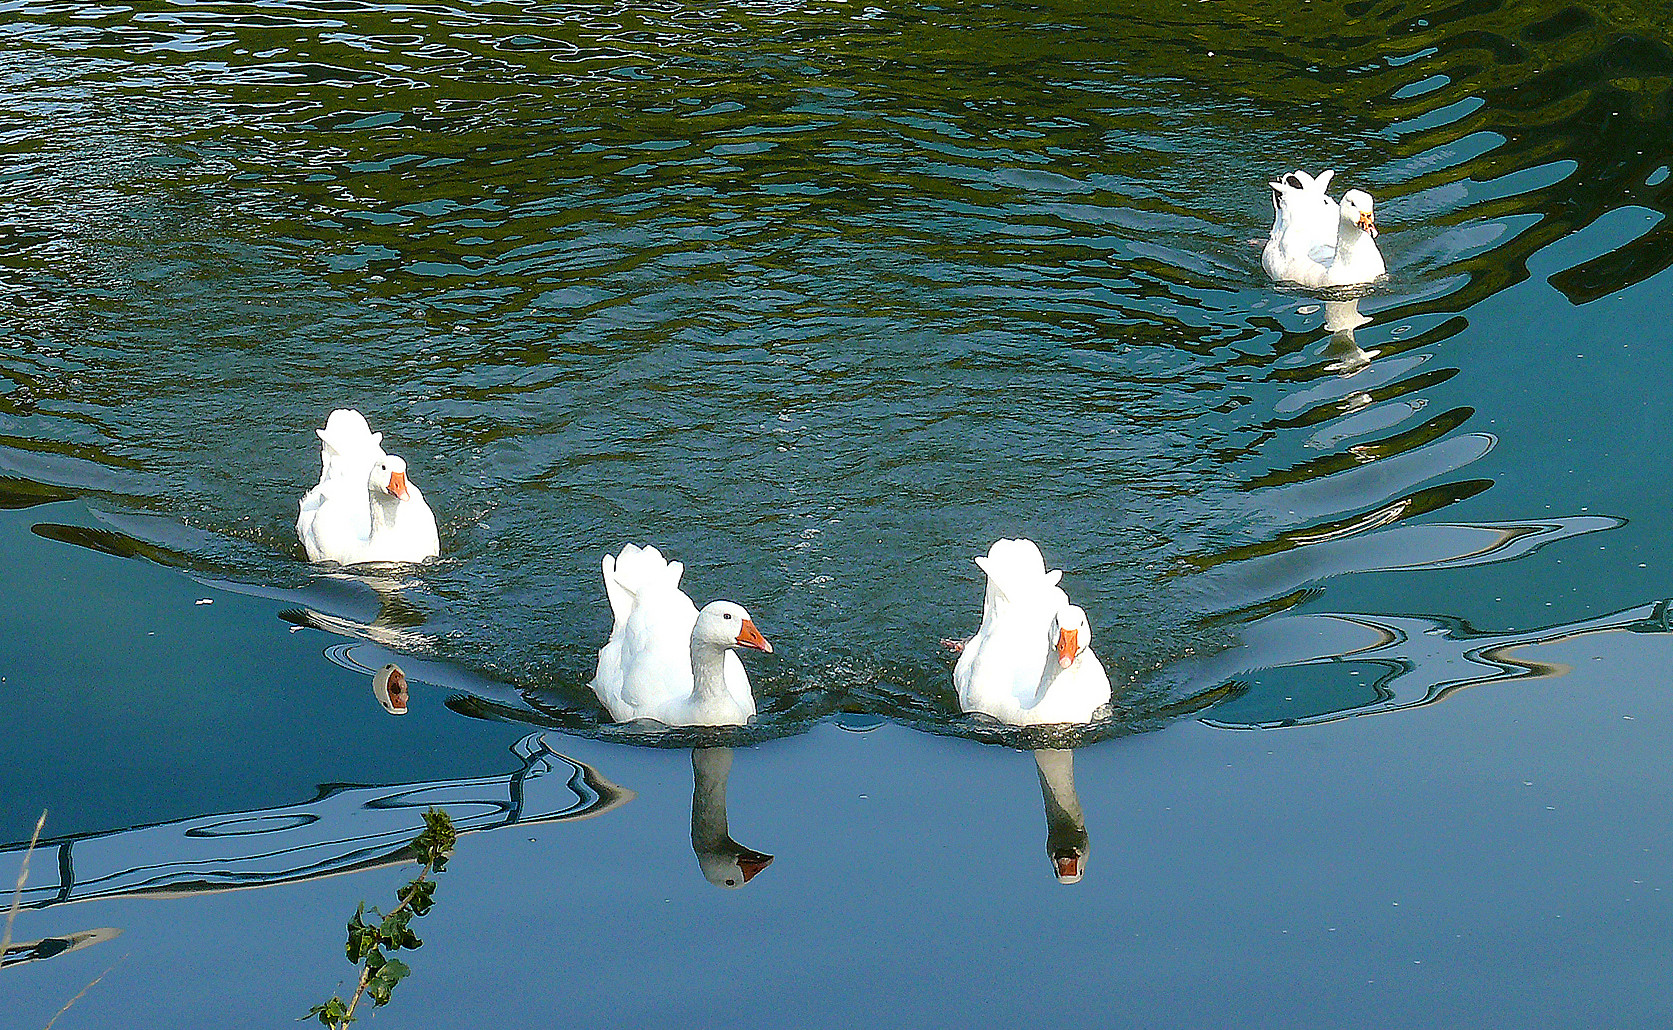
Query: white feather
(1009, 669)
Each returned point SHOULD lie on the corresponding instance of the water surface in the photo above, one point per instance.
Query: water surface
(822, 299)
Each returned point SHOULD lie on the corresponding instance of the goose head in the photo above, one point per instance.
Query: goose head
(390, 688)
(732, 865)
(726, 624)
(1356, 211)
(389, 476)
(1070, 634)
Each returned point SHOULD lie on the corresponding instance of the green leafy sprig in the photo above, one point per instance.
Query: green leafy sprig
(368, 941)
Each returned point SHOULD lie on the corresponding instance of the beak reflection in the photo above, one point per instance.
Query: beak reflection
(390, 688)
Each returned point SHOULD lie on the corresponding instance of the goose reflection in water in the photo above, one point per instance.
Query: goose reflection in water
(394, 626)
(725, 862)
(1342, 355)
(1066, 841)
(389, 686)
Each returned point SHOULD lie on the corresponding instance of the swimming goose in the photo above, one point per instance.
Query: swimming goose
(1003, 671)
(1002, 662)
(1317, 242)
(383, 518)
(665, 660)
(1073, 685)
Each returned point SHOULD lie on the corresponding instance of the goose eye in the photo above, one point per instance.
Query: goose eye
(731, 883)
(728, 615)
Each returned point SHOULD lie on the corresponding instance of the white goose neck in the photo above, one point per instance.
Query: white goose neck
(708, 670)
(1052, 670)
(1348, 239)
(384, 509)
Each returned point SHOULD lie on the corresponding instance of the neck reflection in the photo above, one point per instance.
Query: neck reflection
(1067, 844)
(725, 862)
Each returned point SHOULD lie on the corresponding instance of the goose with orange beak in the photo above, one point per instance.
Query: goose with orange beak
(1073, 685)
(665, 660)
(382, 519)
(1031, 662)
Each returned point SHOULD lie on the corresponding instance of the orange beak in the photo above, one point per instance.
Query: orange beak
(1068, 645)
(1068, 867)
(752, 862)
(749, 636)
(398, 484)
(1368, 224)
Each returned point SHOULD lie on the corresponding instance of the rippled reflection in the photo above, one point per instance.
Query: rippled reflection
(346, 829)
(1373, 664)
(22, 952)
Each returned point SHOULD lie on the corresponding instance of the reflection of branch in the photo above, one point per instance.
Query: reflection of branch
(81, 992)
(343, 829)
(17, 892)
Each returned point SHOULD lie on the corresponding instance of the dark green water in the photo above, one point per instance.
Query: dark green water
(822, 299)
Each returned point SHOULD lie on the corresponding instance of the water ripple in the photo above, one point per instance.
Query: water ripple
(820, 300)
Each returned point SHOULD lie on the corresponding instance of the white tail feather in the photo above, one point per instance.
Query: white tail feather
(1016, 570)
(634, 571)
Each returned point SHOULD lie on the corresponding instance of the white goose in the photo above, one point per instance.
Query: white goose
(364, 508)
(1317, 242)
(665, 660)
(1003, 671)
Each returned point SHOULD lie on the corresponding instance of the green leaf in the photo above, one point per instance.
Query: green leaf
(435, 844)
(387, 976)
(418, 896)
(362, 938)
(394, 930)
(332, 1013)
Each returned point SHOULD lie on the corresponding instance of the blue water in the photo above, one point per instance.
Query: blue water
(823, 300)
